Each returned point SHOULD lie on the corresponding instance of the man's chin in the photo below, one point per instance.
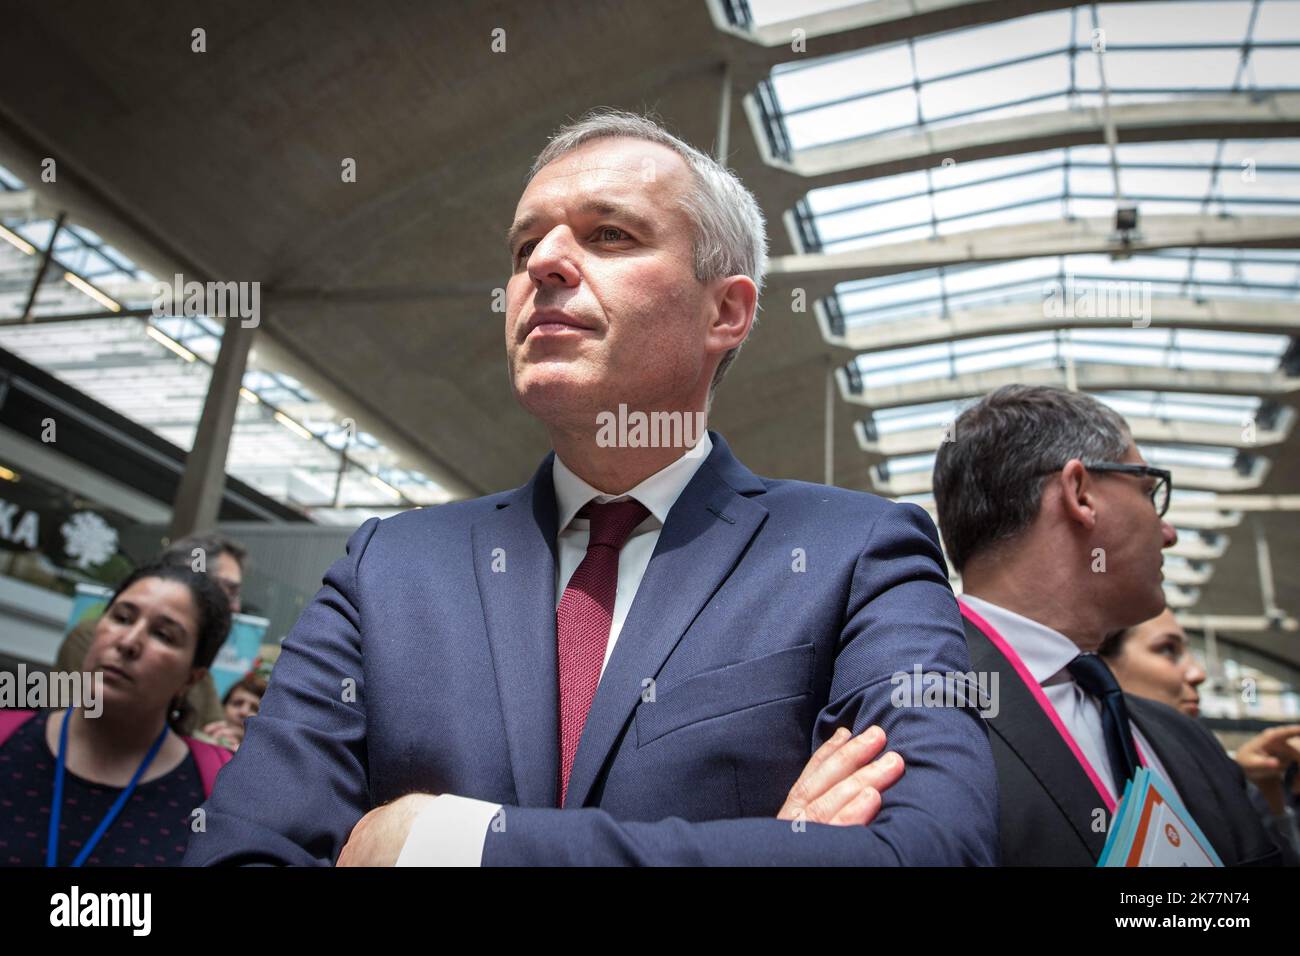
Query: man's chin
(551, 397)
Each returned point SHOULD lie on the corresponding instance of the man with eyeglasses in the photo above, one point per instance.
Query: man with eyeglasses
(1055, 524)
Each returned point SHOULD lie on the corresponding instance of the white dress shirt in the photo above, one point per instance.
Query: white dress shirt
(1045, 654)
(452, 829)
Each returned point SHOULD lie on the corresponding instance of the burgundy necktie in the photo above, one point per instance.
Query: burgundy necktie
(583, 619)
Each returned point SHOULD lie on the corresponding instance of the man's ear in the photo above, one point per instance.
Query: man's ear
(735, 302)
(1078, 497)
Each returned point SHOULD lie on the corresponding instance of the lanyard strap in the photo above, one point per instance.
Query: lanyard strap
(1007, 651)
(52, 844)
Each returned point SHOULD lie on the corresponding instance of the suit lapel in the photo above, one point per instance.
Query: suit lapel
(707, 531)
(1184, 770)
(514, 565)
(1023, 726)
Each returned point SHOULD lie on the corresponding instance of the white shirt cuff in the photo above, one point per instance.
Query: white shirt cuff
(450, 831)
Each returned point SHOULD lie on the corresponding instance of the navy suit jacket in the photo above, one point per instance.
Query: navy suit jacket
(771, 614)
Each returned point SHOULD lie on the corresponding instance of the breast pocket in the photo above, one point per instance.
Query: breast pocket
(728, 690)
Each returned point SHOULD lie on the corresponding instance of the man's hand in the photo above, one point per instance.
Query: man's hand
(842, 782)
(378, 837)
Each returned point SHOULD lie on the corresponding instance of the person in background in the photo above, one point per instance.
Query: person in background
(225, 561)
(1055, 524)
(241, 702)
(1152, 660)
(118, 788)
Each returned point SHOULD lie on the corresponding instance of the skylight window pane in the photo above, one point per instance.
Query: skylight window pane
(831, 198)
(1194, 456)
(961, 173)
(859, 74)
(994, 87)
(885, 295)
(883, 111)
(1278, 21)
(764, 12)
(1271, 345)
(1033, 186)
(878, 218)
(911, 464)
(985, 45)
(1001, 217)
(1173, 23)
(905, 234)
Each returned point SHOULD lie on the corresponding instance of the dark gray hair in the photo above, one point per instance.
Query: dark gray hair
(730, 232)
(988, 479)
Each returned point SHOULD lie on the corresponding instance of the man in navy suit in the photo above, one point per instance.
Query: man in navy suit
(646, 654)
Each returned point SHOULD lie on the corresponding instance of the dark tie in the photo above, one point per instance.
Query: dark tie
(583, 619)
(1092, 674)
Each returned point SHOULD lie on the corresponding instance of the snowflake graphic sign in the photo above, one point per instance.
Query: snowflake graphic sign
(88, 539)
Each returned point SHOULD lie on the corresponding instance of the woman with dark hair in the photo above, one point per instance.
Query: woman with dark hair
(118, 788)
(1153, 660)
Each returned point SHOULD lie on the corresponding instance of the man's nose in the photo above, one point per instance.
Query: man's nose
(1169, 535)
(1195, 673)
(551, 261)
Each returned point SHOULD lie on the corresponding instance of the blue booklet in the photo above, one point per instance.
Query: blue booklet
(1151, 827)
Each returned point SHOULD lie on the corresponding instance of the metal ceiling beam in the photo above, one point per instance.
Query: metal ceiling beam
(1271, 316)
(1184, 476)
(1243, 115)
(1144, 429)
(819, 272)
(1088, 377)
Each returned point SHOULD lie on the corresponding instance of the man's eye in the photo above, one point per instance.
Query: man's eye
(526, 249)
(604, 234)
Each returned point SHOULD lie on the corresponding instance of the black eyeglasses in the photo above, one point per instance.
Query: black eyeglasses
(1159, 493)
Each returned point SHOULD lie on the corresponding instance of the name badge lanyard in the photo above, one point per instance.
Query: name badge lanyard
(1036, 691)
(52, 845)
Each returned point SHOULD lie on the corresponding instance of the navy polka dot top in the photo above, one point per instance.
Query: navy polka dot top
(151, 830)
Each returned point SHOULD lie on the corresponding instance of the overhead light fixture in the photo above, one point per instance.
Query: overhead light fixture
(17, 241)
(249, 396)
(8, 475)
(384, 486)
(82, 285)
(293, 426)
(170, 344)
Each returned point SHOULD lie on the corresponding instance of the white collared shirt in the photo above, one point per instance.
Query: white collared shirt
(452, 829)
(1045, 654)
(658, 493)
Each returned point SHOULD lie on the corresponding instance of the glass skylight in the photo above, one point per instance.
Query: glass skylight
(1034, 64)
(1196, 273)
(155, 370)
(1216, 177)
(1160, 348)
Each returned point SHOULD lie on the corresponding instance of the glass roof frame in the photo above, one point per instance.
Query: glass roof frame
(778, 103)
(275, 409)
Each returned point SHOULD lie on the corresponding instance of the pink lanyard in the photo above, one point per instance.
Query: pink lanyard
(1005, 649)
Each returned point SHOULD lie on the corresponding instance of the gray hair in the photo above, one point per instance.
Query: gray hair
(730, 232)
(988, 480)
